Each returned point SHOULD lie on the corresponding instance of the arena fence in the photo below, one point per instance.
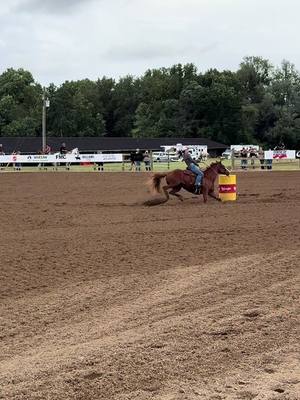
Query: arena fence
(120, 162)
(264, 164)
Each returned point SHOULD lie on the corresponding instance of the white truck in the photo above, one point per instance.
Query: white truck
(236, 148)
(197, 151)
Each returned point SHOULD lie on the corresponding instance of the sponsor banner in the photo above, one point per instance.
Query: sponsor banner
(298, 154)
(227, 188)
(280, 154)
(59, 158)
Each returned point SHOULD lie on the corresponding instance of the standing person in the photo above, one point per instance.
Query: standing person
(261, 156)
(138, 159)
(193, 166)
(17, 165)
(47, 149)
(63, 150)
(1, 154)
(132, 161)
(244, 155)
(99, 164)
(269, 162)
(252, 155)
(147, 161)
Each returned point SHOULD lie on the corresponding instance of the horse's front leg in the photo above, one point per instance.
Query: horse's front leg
(212, 194)
(205, 192)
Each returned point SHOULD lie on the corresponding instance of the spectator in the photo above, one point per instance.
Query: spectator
(147, 161)
(100, 164)
(138, 158)
(1, 154)
(244, 155)
(132, 161)
(253, 155)
(261, 156)
(17, 166)
(269, 162)
(47, 149)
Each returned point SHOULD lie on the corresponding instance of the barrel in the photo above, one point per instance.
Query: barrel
(227, 187)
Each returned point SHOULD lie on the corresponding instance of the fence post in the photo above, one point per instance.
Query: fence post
(151, 160)
(232, 161)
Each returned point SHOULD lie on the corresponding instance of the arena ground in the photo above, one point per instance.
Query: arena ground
(104, 298)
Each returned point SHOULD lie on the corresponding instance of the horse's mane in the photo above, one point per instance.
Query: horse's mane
(212, 165)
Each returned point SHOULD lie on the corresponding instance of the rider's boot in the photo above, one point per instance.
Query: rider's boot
(197, 189)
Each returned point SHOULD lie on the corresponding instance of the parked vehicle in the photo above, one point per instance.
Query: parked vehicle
(160, 156)
(227, 154)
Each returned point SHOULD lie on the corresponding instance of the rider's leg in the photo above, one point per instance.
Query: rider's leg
(199, 175)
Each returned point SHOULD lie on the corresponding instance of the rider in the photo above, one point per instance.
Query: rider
(63, 149)
(193, 166)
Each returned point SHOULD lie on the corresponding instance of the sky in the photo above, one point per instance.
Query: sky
(59, 40)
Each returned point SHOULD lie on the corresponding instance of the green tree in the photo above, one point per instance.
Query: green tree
(20, 103)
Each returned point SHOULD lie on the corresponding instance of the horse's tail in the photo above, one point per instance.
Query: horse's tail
(155, 182)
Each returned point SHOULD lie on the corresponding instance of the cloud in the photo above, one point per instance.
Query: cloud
(50, 6)
(74, 39)
(150, 51)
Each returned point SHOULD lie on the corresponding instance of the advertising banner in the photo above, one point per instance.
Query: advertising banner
(280, 154)
(59, 158)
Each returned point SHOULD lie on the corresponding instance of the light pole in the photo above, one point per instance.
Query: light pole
(46, 104)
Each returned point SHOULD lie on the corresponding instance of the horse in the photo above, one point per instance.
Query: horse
(178, 179)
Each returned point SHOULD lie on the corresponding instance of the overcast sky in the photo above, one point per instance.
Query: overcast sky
(60, 40)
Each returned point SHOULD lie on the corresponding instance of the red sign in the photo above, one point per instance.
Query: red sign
(227, 188)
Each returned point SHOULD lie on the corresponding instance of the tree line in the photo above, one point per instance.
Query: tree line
(258, 104)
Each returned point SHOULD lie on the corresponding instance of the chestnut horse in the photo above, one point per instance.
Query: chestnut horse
(185, 179)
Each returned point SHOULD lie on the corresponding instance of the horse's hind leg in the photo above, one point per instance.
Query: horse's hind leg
(174, 191)
(165, 190)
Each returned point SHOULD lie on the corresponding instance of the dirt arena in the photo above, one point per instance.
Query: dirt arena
(104, 298)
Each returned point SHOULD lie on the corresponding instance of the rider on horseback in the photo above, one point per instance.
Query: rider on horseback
(193, 166)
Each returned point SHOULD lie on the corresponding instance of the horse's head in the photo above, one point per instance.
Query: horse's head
(221, 169)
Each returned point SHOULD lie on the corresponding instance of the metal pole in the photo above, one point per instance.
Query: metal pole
(151, 160)
(44, 121)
